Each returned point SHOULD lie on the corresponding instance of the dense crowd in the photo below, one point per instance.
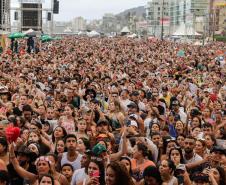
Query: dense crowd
(114, 111)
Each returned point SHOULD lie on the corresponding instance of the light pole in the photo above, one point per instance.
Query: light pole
(162, 28)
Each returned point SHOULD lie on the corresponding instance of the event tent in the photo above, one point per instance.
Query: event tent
(81, 33)
(67, 30)
(185, 31)
(132, 36)
(93, 34)
(125, 30)
(32, 33)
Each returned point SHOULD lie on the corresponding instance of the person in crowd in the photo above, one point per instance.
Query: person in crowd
(67, 170)
(117, 173)
(166, 170)
(71, 156)
(104, 103)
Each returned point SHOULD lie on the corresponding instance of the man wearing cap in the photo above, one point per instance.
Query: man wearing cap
(165, 95)
(177, 112)
(103, 128)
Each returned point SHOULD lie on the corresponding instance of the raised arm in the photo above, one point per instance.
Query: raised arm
(116, 156)
(21, 171)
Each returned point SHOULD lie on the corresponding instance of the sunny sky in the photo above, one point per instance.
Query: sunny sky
(92, 9)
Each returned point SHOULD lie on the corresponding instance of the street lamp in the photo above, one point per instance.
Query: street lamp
(162, 28)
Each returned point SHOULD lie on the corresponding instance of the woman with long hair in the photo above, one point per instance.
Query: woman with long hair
(83, 145)
(81, 129)
(200, 147)
(117, 174)
(116, 116)
(176, 156)
(167, 169)
(96, 172)
(59, 133)
(67, 120)
(60, 147)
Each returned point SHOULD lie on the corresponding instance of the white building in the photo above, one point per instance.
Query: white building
(78, 24)
(156, 12)
(174, 13)
(192, 13)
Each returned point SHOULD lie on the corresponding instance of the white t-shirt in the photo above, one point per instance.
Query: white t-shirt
(195, 158)
(76, 163)
(78, 176)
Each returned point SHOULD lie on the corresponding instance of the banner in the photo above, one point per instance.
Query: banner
(3, 41)
(32, 1)
(165, 21)
(219, 3)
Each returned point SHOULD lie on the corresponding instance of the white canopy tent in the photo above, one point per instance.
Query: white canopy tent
(93, 34)
(28, 31)
(67, 30)
(80, 33)
(132, 36)
(32, 32)
(185, 31)
(125, 30)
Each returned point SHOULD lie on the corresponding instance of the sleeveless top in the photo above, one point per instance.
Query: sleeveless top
(76, 163)
(172, 181)
(69, 125)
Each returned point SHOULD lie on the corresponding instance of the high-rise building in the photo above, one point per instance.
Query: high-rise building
(78, 24)
(157, 14)
(220, 17)
(109, 23)
(169, 15)
(192, 13)
(5, 15)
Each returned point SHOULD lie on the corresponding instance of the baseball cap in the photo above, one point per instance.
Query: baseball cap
(132, 105)
(98, 149)
(219, 149)
(134, 93)
(102, 121)
(133, 123)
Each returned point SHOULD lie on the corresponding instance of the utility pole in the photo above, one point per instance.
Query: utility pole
(51, 23)
(211, 19)
(162, 28)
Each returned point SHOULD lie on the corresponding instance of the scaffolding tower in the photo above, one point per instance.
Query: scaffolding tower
(5, 15)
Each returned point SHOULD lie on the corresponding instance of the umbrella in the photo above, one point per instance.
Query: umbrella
(57, 38)
(16, 35)
(46, 38)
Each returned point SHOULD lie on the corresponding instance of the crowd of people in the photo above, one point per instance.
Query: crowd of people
(114, 111)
